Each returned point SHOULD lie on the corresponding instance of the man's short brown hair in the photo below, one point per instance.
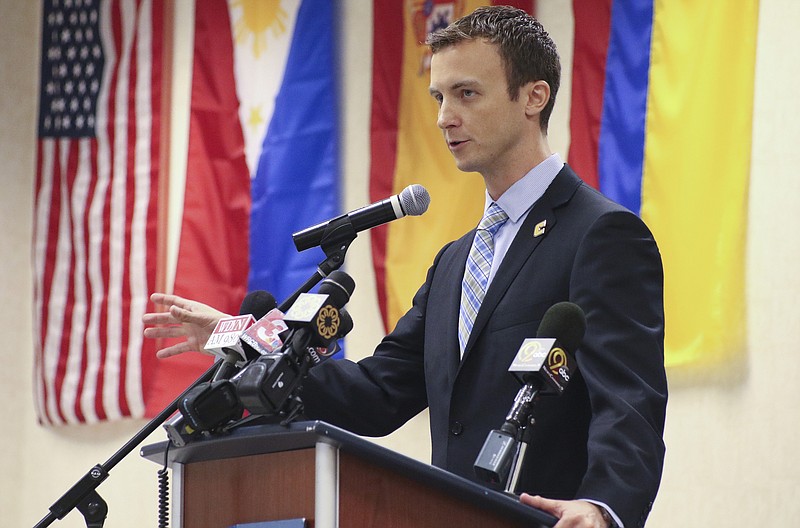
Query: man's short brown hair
(528, 52)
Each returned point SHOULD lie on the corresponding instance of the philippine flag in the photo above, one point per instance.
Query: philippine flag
(262, 157)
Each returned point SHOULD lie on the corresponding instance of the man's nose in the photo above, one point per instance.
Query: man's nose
(447, 116)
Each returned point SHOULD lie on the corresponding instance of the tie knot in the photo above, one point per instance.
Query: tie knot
(494, 218)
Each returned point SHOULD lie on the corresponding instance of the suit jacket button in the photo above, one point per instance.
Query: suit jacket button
(456, 428)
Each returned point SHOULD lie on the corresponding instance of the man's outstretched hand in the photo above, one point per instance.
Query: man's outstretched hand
(183, 318)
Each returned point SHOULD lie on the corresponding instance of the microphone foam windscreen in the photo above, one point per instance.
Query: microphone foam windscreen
(340, 286)
(345, 325)
(566, 322)
(257, 303)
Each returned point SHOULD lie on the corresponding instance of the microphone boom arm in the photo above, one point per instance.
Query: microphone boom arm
(336, 240)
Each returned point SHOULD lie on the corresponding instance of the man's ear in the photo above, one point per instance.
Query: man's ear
(536, 95)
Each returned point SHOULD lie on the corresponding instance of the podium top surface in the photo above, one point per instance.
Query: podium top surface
(262, 439)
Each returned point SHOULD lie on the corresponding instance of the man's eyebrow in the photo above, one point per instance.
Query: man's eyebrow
(455, 86)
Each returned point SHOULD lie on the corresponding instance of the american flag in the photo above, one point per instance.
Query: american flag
(95, 206)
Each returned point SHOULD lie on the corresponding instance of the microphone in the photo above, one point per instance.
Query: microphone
(257, 303)
(225, 340)
(320, 354)
(212, 404)
(544, 365)
(264, 336)
(412, 201)
(269, 384)
(547, 362)
(225, 337)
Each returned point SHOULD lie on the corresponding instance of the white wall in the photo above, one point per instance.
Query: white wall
(731, 459)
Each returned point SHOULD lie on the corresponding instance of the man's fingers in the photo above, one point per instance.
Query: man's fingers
(160, 298)
(169, 352)
(166, 299)
(174, 350)
(160, 318)
(164, 331)
(551, 506)
(185, 316)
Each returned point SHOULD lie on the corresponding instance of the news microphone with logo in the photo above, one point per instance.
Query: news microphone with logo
(225, 341)
(212, 404)
(268, 385)
(412, 201)
(320, 354)
(544, 365)
(264, 337)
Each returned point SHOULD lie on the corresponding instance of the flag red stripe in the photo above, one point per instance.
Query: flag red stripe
(592, 33)
(160, 76)
(68, 181)
(212, 262)
(130, 196)
(49, 257)
(87, 372)
(388, 19)
(38, 359)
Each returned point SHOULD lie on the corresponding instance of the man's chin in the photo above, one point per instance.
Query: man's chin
(466, 165)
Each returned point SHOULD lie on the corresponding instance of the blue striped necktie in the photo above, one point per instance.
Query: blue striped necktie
(476, 274)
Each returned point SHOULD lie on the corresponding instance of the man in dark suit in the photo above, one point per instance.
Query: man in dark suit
(596, 451)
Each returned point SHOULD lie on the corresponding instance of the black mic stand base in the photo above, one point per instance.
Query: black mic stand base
(83, 494)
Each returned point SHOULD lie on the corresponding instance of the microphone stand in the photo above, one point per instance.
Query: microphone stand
(523, 441)
(336, 239)
(500, 459)
(83, 494)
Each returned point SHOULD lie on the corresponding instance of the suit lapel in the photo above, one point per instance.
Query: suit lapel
(540, 222)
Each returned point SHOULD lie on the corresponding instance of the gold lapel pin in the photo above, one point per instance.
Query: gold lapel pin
(539, 229)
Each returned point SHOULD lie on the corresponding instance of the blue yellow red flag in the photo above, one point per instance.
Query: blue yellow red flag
(661, 122)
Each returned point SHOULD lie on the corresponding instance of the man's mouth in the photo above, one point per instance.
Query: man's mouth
(455, 143)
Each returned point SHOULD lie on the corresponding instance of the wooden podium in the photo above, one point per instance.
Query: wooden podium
(327, 476)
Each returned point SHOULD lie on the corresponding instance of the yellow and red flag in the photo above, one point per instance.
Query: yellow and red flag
(408, 147)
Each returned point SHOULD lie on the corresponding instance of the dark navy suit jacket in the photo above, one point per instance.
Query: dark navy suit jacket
(601, 439)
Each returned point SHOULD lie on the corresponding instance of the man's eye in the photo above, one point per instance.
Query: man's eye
(467, 93)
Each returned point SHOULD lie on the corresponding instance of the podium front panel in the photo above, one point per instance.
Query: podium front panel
(268, 487)
(371, 496)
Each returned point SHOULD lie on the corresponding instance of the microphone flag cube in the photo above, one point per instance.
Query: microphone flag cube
(225, 336)
(265, 335)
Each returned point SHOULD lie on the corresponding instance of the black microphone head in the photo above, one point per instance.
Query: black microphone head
(340, 286)
(414, 200)
(345, 323)
(566, 322)
(257, 303)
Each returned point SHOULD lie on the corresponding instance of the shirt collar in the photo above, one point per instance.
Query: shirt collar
(526, 191)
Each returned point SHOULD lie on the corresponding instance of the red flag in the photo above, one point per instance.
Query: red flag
(95, 207)
(213, 253)
(592, 33)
